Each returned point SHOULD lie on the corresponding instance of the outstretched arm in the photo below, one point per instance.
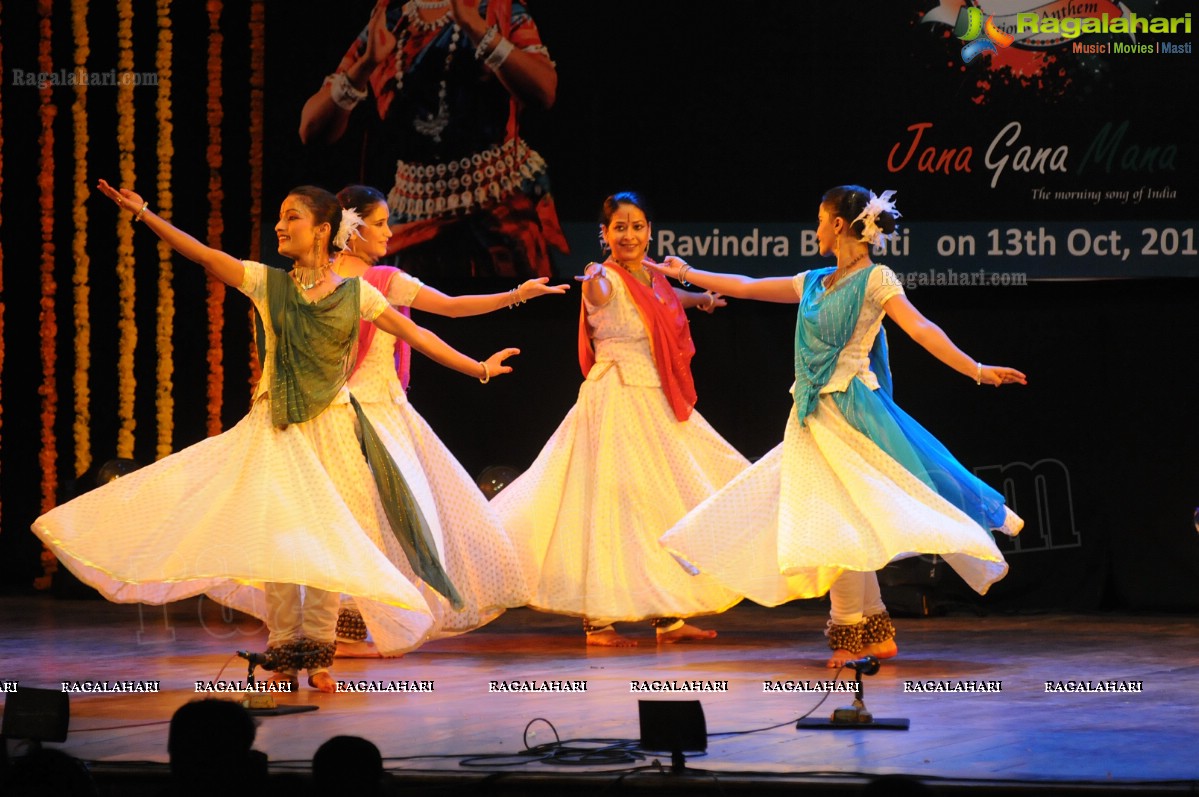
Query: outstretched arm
(226, 268)
(706, 301)
(765, 289)
(596, 288)
(938, 344)
(441, 352)
(432, 300)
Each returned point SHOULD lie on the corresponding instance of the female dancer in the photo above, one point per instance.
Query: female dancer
(628, 461)
(448, 79)
(479, 557)
(282, 513)
(856, 482)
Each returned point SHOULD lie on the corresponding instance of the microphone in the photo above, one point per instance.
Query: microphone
(867, 665)
(259, 659)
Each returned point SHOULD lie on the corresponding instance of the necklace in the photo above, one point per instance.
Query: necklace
(832, 279)
(638, 271)
(432, 125)
(308, 277)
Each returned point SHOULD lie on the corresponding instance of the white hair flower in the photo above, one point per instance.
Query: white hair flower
(350, 224)
(871, 233)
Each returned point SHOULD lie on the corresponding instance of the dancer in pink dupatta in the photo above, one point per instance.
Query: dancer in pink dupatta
(471, 542)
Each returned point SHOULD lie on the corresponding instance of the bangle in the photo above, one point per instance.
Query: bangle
(683, 275)
(711, 300)
(496, 58)
(978, 375)
(491, 33)
(515, 297)
(486, 373)
(138, 217)
(343, 93)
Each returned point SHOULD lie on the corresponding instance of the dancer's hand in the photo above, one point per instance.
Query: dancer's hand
(495, 363)
(670, 267)
(379, 40)
(465, 13)
(1001, 375)
(713, 301)
(593, 271)
(530, 289)
(126, 199)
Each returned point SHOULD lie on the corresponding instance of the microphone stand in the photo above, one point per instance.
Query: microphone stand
(262, 704)
(856, 716)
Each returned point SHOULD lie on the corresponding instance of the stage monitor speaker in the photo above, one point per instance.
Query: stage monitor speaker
(39, 714)
(673, 725)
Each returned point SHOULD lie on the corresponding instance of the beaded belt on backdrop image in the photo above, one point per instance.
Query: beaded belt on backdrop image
(426, 190)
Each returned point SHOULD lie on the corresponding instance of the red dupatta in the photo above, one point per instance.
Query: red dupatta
(380, 277)
(669, 336)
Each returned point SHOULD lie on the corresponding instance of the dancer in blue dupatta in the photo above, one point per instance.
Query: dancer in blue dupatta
(856, 482)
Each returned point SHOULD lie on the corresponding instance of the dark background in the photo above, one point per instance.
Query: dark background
(719, 113)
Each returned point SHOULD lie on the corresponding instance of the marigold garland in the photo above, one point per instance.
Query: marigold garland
(127, 343)
(165, 370)
(48, 456)
(216, 222)
(257, 81)
(82, 426)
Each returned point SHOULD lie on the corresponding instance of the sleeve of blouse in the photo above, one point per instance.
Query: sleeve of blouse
(882, 286)
(371, 302)
(797, 283)
(253, 281)
(402, 289)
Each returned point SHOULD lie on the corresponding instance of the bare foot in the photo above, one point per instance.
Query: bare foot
(293, 682)
(610, 639)
(685, 633)
(881, 650)
(322, 681)
(839, 657)
(357, 650)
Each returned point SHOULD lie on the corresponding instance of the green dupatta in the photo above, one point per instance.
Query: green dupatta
(315, 348)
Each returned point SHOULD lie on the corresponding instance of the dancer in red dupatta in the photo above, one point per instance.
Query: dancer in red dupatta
(628, 461)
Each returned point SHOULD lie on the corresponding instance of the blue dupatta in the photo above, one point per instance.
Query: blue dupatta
(824, 325)
(826, 322)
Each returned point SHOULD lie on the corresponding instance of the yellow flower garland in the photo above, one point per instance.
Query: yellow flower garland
(127, 343)
(257, 81)
(48, 456)
(216, 223)
(164, 398)
(82, 426)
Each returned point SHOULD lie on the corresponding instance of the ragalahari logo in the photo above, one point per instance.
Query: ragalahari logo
(980, 37)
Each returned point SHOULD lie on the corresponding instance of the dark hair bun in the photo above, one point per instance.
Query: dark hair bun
(885, 222)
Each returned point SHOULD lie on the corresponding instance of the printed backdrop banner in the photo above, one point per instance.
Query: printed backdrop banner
(945, 253)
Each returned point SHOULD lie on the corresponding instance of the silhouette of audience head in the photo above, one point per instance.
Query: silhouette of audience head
(348, 764)
(47, 771)
(210, 748)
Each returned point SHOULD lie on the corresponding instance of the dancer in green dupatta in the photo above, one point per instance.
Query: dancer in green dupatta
(288, 510)
(856, 482)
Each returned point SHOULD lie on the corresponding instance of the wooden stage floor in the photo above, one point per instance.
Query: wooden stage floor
(1019, 738)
